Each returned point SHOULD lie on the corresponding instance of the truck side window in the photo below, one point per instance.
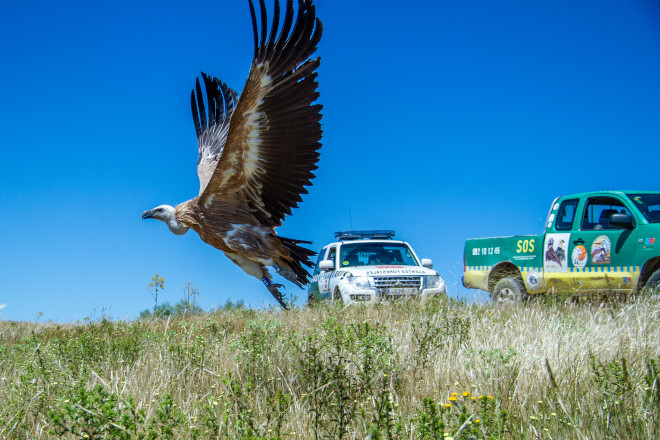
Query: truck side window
(598, 211)
(332, 256)
(566, 215)
(318, 261)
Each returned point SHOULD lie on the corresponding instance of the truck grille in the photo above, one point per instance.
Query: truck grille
(397, 287)
(398, 282)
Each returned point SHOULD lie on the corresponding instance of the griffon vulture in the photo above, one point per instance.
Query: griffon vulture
(257, 151)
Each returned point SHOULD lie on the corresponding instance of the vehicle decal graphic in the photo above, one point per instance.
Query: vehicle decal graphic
(479, 268)
(579, 256)
(395, 272)
(556, 248)
(600, 250)
(533, 280)
(329, 275)
(604, 269)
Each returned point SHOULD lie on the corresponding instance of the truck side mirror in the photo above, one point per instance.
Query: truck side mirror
(326, 265)
(428, 263)
(621, 221)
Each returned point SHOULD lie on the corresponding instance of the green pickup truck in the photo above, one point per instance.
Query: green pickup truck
(594, 242)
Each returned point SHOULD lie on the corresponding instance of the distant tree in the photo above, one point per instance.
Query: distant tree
(161, 311)
(166, 309)
(186, 306)
(231, 305)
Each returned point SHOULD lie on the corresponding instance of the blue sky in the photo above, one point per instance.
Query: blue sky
(443, 120)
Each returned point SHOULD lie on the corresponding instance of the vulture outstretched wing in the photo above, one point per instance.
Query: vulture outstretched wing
(275, 131)
(211, 129)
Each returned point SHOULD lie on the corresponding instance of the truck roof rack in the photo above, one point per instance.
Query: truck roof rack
(358, 235)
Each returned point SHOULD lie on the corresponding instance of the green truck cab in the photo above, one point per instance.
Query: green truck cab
(596, 242)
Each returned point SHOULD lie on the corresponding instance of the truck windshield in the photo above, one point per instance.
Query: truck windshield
(363, 254)
(648, 205)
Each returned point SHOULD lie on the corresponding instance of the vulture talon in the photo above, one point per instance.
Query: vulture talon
(273, 289)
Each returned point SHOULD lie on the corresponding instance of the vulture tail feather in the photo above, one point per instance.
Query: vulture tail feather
(299, 256)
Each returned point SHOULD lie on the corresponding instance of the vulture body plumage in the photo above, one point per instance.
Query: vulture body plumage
(257, 151)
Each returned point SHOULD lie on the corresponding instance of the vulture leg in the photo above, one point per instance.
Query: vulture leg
(273, 288)
(260, 272)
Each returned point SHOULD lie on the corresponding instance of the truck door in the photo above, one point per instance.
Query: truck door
(556, 264)
(601, 254)
(324, 277)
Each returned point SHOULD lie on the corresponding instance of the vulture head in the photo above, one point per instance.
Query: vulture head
(165, 213)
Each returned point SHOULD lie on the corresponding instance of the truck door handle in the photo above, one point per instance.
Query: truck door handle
(578, 241)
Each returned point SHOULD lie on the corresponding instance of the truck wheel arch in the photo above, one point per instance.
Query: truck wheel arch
(501, 270)
(649, 268)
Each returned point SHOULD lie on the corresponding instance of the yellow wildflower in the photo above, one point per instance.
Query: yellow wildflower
(465, 394)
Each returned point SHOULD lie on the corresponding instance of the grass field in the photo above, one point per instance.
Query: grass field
(443, 369)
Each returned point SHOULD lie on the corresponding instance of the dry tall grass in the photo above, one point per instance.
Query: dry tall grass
(434, 370)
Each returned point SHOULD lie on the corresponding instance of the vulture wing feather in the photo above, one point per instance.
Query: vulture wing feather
(273, 140)
(211, 130)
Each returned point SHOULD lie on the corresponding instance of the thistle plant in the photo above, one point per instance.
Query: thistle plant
(157, 284)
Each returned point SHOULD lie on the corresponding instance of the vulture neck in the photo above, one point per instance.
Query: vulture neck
(176, 227)
(170, 218)
(183, 218)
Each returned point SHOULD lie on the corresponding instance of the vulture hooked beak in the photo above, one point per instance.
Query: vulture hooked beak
(147, 214)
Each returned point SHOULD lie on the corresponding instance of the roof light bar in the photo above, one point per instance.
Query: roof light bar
(357, 235)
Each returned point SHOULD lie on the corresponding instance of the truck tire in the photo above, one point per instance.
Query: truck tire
(509, 290)
(652, 286)
(336, 296)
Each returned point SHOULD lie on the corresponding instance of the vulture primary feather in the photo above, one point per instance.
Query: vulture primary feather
(257, 151)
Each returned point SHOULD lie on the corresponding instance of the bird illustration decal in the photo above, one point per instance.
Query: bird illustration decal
(257, 151)
(557, 255)
(561, 253)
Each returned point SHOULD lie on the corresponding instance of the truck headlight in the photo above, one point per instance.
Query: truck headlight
(359, 282)
(432, 281)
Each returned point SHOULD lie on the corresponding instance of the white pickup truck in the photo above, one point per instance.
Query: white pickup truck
(370, 266)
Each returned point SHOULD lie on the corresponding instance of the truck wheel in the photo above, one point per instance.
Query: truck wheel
(336, 296)
(509, 290)
(652, 286)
